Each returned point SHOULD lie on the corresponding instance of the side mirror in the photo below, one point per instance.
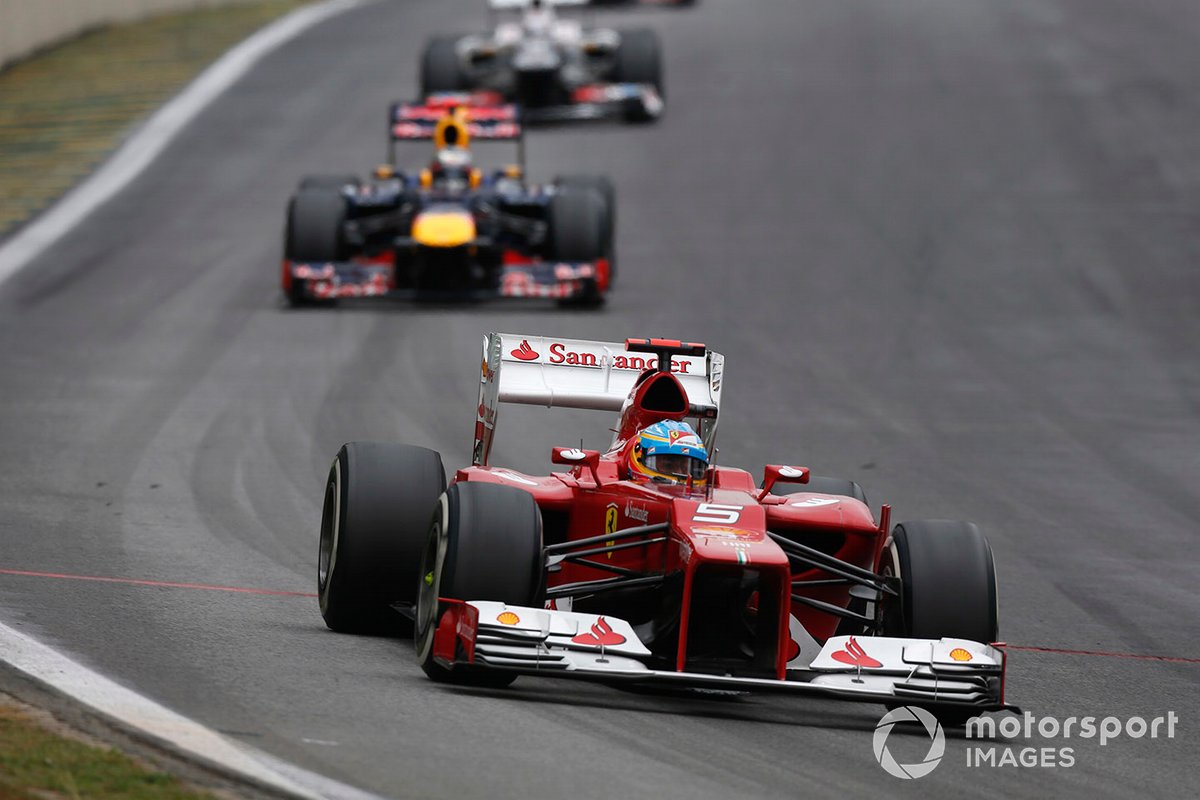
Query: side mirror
(780, 473)
(575, 457)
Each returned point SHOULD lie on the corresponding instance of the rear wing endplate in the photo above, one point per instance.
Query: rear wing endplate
(575, 373)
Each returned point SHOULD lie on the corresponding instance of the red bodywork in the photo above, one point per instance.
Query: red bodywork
(721, 526)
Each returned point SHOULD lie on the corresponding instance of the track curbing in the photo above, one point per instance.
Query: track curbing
(42, 663)
(162, 726)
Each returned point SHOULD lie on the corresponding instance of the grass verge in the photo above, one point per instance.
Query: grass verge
(40, 759)
(62, 111)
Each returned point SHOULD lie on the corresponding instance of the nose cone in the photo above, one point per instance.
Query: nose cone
(443, 228)
(537, 56)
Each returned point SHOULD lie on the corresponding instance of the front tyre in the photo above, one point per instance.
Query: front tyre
(639, 60)
(577, 220)
(948, 582)
(378, 498)
(485, 543)
(314, 226)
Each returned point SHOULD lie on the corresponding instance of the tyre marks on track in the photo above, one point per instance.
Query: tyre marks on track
(1029, 648)
(161, 584)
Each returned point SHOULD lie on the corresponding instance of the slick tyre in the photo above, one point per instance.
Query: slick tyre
(639, 60)
(314, 226)
(378, 499)
(576, 225)
(948, 582)
(576, 234)
(603, 188)
(441, 69)
(823, 484)
(484, 543)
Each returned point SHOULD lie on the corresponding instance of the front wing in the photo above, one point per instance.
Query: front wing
(345, 279)
(603, 101)
(553, 643)
(643, 2)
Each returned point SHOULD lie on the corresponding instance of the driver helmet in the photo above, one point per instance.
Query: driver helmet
(451, 167)
(669, 452)
(539, 18)
(452, 159)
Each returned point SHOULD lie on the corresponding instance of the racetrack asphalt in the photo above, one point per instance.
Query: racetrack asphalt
(948, 248)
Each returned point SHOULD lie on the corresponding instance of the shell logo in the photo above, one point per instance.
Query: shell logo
(509, 618)
(959, 654)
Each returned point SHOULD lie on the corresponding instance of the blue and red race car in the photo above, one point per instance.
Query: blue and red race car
(450, 230)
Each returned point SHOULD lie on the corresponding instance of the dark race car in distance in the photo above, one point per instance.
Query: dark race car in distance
(553, 66)
(649, 564)
(450, 230)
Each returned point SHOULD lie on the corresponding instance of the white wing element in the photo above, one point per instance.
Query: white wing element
(517, 5)
(576, 373)
(557, 643)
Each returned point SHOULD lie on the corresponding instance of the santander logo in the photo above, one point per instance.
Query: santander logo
(560, 353)
(601, 634)
(856, 656)
(525, 352)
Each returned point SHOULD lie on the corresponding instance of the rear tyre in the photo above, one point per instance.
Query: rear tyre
(441, 69)
(639, 60)
(378, 499)
(577, 234)
(948, 579)
(576, 226)
(603, 187)
(822, 484)
(485, 543)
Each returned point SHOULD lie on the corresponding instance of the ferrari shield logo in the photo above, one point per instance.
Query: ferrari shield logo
(610, 524)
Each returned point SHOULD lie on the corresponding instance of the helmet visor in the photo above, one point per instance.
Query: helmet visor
(677, 465)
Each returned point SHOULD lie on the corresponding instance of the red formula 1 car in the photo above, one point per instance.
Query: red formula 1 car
(648, 564)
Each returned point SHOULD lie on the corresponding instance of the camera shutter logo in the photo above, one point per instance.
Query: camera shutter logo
(937, 743)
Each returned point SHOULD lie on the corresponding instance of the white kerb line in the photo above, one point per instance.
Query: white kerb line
(109, 698)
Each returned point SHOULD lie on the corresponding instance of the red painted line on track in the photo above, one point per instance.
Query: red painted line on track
(164, 584)
(1062, 651)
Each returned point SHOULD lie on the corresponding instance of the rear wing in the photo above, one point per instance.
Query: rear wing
(517, 5)
(574, 373)
(487, 119)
